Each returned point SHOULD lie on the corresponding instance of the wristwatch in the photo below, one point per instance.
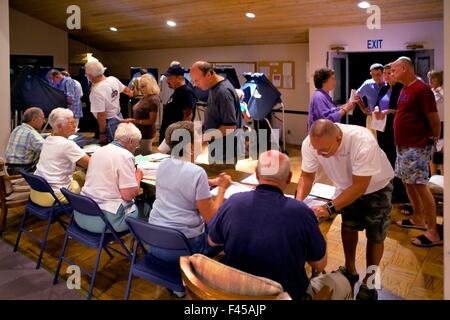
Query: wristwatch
(330, 207)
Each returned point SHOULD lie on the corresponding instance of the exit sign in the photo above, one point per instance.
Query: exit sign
(374, 44)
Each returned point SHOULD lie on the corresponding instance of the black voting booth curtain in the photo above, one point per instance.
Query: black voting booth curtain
(260, 95)
(30, 89)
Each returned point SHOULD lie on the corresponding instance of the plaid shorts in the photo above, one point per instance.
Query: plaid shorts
(371, 212)
(412, 164)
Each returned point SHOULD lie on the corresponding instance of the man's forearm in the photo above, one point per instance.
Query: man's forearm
(348, 196)
(304, 188)
(101, 120)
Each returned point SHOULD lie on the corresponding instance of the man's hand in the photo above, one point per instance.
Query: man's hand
(321, 212)
(223, 181)
(128, 92)
(139, 174)
(102, 139)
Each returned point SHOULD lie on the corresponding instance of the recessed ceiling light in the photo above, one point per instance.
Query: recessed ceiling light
(171, 23)
(250, 15)
(364, 5)
(113, 29)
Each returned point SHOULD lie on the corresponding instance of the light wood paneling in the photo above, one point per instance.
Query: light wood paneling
(201, 23)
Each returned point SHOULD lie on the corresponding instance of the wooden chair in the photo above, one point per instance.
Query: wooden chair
(9, 197)
(201, 290)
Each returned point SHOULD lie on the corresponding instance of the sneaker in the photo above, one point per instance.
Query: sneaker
(367, 294)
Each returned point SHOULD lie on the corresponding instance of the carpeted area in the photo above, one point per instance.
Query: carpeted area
(19, 279)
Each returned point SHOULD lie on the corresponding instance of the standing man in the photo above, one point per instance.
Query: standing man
(416, 127)
(25, 142)
(105, 102)
(181, 104)
(223, 114)
(63, 82)
(352, 159)
(370, 89)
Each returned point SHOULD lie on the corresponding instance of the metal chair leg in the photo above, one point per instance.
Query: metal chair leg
(21, 228)
(61, 256)
(94, 273)
(44, 242)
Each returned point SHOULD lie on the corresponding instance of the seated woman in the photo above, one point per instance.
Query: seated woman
(58, 159)
(183, 200)
(113, 181)
(145, 112)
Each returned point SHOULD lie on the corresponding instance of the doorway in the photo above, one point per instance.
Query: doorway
(352, 69)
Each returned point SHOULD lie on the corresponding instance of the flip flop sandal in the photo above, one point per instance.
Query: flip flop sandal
(406, 223)
(425, 242)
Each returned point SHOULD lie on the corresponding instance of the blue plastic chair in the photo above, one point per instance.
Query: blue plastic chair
(87, 206)
(149, 267)
(50, 214)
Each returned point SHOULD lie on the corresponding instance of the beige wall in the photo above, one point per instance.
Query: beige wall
(5, 112)
(30, 36)
(119, 64)
(394, 36)
(77, 47)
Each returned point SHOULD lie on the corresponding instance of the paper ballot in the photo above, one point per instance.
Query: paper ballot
(235, 187)
(378, 125)
(251, 180)
(352, 96)
(313, 201)
(324, 191)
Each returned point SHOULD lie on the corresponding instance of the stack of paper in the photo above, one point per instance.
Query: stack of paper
(324, 191)
(313, 201)
(251, 180)
(235, 187)
(158, 156)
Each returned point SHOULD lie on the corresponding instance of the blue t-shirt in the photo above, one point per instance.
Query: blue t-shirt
(370, 90)
(270, 235)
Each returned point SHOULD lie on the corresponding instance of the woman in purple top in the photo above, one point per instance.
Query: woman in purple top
(321, 105)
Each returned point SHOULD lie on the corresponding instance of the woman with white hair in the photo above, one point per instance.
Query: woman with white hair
(58, 159)
(146, 111)
(105, 99)
(113, 181)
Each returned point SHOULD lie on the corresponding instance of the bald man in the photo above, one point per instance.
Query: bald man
(416, 127)
(25, 142)
(351, 158)
(270, 235)
(223, 113)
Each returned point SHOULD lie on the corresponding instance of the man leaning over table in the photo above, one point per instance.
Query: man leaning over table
(362, 174)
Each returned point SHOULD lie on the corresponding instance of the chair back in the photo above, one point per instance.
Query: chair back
(37, 183)
(209, 287)
(82, 204)
(161, 237)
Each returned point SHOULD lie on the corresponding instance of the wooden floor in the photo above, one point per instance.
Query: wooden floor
(407, 272)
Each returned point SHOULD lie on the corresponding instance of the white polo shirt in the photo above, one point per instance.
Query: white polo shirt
(111, 168)
(105, 97)
(358, 154)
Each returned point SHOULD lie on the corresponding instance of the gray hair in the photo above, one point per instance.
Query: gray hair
(94, 68)
(274, 165)
(323, 128)
(127, 131)
(175, 63)
(31, 113)
(59, 117)
(204, 66)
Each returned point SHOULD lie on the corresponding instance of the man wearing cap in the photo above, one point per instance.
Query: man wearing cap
(370, 89)
(181, 104)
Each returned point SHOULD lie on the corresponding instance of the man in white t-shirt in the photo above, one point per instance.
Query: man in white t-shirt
(362, 174)
(105, 100)
(112, 181)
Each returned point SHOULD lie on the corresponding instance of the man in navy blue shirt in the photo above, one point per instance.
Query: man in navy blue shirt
(267, 234)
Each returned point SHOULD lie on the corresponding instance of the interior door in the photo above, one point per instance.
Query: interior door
(338, 61)
(424, 62)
